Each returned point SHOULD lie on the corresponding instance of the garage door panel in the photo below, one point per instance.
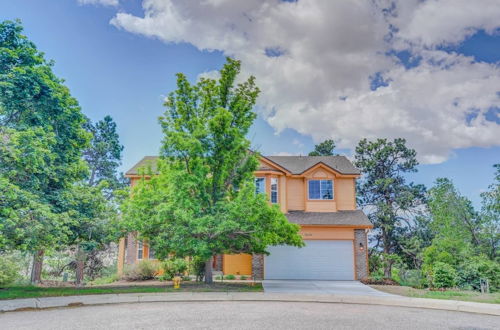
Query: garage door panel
(318, 260)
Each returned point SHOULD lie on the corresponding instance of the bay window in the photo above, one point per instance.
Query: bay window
(260, 185)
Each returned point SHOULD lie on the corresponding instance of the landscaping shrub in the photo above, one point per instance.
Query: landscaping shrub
(472, 270)
(173, 267)
(218, 277)
(144, 270)
(379, 281)
(243, 277)
(230, 277)
(197, 268)
(443, 275)
(9, 271)
(412, 277)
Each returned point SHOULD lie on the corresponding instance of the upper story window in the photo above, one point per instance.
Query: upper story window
(274, 190)
(260, 185)
(140, 249)
(321, 189)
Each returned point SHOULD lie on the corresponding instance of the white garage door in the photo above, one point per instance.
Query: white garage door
(318, 260)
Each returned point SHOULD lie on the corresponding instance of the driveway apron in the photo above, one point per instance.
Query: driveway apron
(321, 287)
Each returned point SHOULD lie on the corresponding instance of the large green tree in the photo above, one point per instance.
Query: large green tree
(203, 200)
(463, 238)
(42, 138)
(92, 201)
(392, 204)
(324, 148)
(490, 213)
(104, 154)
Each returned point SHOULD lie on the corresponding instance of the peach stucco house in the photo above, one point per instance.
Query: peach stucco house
(316, 192)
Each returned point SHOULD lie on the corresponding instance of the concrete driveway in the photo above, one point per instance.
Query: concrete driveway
(321, 287)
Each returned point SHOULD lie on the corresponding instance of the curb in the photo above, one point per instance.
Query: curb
(103, 299)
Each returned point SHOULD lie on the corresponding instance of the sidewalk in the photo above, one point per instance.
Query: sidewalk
(72, 301)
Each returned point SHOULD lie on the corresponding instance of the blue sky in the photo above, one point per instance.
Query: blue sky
(113, 71)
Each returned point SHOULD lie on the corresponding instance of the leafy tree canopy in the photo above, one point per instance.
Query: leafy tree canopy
(392, 204)
(104, 153)
(203, 200)
(41, 142)
(324, 148)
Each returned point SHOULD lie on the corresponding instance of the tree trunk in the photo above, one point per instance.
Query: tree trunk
(80, 265)
(36, 268)
(208, 271)
(388, 269)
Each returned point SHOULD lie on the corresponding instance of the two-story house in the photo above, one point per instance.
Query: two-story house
(316, 192)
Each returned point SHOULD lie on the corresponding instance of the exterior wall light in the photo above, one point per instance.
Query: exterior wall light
(361, 247)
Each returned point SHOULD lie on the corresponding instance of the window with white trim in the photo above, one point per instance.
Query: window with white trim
(274, 190)
(140, 249)
(321, 189)
(260, 185)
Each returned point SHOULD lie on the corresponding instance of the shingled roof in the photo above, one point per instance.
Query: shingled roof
(146, 162)
(300, 164)
(340, 218)
(293, 164)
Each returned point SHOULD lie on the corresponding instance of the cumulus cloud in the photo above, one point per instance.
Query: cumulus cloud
(329, 68)
(113, 3)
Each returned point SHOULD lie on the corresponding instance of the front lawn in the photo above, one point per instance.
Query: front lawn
(492, 298)
(36, 292)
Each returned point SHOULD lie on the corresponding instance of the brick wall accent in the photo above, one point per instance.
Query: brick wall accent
(218, 262)
(361, 256)
(258, 266)
(130, 250)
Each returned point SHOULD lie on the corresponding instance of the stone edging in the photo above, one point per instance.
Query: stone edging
(71, 301)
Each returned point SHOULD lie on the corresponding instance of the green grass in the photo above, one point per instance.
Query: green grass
(492, 298)
(16, 292)
(106, 280)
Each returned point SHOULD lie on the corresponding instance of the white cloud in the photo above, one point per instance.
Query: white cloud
(432, 23)
(323, 53)
(113, 3)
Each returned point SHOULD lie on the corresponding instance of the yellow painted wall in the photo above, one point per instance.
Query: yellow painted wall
(321, 206)
(282, 193)
(121, 256)
(237, 264)
(322, 174)
(295, 194)
(345, 194)
(319, 232)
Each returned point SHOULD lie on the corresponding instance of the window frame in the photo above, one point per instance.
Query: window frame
(264, 182)
(320, 191)
(274, 191)
(153, 256)
(140, 247)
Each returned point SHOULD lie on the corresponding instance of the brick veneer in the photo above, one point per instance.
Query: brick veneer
(218, 262)
(258, 266)
(361, 255)
(130, 250)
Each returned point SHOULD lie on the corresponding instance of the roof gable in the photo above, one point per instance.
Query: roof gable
(300, 164)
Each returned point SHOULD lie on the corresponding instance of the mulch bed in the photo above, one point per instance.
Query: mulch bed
(383, 281)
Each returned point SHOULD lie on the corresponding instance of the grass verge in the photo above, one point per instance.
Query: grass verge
(16, 292)
(491, 298)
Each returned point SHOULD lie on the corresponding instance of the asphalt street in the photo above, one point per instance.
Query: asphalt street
(244, 315)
